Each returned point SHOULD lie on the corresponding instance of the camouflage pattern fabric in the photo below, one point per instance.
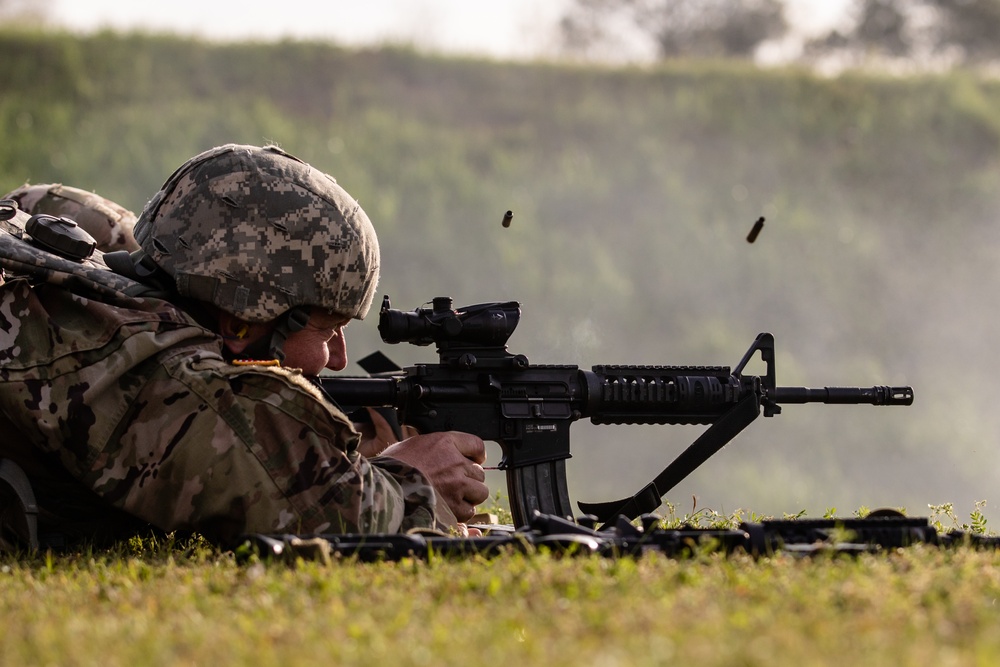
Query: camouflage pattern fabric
(140, 406)
(19, 257)
(109, 223)
(256, 232)
(135, 400)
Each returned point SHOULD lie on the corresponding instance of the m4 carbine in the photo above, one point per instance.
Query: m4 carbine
(478, 387)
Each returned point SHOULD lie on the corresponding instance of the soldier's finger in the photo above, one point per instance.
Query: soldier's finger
(476, 472)
(463, 511)
(475, 493)
(471, 447)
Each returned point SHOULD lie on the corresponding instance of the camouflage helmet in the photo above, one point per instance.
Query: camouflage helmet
(258, 232)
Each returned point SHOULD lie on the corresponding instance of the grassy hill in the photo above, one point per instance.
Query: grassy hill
(632, 190)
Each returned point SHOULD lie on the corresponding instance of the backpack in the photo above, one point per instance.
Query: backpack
(109, 223)
(45, 248)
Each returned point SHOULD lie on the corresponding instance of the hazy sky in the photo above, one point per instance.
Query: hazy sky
(508, 28)
(498, 28)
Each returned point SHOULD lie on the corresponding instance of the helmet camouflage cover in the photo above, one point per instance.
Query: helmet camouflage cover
(258, 232)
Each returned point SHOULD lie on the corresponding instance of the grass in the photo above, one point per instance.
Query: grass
(187, 603)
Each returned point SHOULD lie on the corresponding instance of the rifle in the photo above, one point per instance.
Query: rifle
(797, 537)
(479, 387)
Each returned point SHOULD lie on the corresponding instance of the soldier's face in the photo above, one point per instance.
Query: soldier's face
(319, 345)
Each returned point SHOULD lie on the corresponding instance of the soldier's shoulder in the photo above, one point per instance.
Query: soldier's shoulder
(271, 387)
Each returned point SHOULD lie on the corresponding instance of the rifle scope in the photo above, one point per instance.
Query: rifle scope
(486, 324)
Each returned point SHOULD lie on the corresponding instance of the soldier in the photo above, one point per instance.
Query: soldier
(174, 386)
(110, 224)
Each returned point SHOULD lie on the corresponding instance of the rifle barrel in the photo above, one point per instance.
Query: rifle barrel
(877, 395)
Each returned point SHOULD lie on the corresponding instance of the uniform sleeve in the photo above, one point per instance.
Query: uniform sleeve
(228, 450)
(136, 403)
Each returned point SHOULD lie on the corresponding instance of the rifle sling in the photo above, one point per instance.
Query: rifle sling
(708, 443)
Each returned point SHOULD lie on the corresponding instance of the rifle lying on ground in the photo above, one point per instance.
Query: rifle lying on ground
(479, 387)
(800, 537)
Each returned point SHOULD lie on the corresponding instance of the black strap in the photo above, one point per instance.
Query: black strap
(294, 320)
(708, 443)
(151, 280)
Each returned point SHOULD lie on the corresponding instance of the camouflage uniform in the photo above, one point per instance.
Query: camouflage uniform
(135, 400)
(109, 224)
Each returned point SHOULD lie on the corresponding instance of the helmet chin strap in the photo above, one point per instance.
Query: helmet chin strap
(138, 266)
(292, 321)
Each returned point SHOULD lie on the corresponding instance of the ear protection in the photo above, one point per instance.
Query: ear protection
(242, 333)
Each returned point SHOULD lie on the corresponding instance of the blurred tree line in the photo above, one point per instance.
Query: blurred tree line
(679, 28)
(948, 32)
(25, 11)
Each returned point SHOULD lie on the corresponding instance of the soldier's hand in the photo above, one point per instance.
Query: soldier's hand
(454, 464)
(377, 434)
